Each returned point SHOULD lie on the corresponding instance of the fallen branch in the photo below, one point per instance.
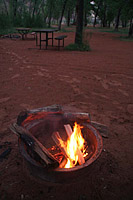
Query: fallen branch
(34, 145)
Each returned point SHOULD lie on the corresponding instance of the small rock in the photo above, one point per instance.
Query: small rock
(130, 108)
(22, 196)
(4, 99)
(121, 120)
(82, 197)
(97, 78)
(52, 197)
(40, 73)
(10, 69)
(105, 84)
(105, 187)
(15, 76)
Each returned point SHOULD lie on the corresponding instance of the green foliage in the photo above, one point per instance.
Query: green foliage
(128, 39)
(5, 21)
(64, 30)
(38, 13)
(120, 31)
(7, 31)
(78, 47)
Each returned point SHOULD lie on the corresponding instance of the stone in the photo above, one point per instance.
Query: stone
(130, 108)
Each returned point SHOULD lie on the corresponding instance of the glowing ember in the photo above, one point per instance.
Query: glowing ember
(74, 146)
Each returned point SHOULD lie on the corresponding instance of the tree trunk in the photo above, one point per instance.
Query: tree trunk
(68, 17)
(43, 12)
(30, 8)
(5, 7)
(104, 17)
(74, 17)
(15, 8)
(34, 9)
(39, 7)
(50, 15)
(130, 33)
(85, 19)
(79, 24)
(124, 23)
(95, 20)
(118, 19)
(62, 13)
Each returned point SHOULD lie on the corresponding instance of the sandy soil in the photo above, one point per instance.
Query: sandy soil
(99, 82)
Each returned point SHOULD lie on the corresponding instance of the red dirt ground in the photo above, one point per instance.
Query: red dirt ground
(99, 82)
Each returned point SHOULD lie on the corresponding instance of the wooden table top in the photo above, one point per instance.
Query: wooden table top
(46, 30)
(23, 29)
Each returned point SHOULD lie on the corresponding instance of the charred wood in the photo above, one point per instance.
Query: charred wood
(33, 144)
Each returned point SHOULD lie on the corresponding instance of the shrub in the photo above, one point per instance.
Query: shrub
(78, 47)
(5, 21)
(81, 47)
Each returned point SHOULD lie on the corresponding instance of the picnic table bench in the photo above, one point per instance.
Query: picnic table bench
(47, 32)
(23, 32)
(59, 38)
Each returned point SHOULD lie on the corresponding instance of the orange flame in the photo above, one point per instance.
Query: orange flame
(75, 147)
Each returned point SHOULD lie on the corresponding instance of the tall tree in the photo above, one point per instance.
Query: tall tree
(87, 9)
(129, 14)
(79, 24)
(120, 4)
(96, 7)
(5, 5)
(62, 13)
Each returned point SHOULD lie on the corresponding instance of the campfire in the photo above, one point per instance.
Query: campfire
(55, 142)
(74, 148)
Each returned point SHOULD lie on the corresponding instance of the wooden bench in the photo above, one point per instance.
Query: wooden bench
(33, 34)
(59, 38)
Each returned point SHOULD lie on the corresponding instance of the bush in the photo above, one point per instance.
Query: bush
(5, 22)
(78, 47)
(81, 47)
(36, 21)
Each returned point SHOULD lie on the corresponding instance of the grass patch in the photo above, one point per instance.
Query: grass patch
(120, 31)
(63, 30)
(128, 39)
(7, 31)
(110, 30)
(77, 47)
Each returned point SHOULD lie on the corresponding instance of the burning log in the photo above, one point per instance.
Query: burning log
(32, 113)
(34, 145)
(60, 143)
(69, 132)
(77, 116)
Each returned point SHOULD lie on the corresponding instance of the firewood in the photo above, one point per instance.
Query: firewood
(103, 129)
(34, 145)
(5, 153)
(52, 108)
(58, 140)
(75, 116)
(46, 110)
(69, 132)
(63, 163)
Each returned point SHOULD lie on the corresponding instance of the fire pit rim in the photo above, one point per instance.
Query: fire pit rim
(61, 170)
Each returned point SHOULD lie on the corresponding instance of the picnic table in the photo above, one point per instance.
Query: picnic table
(23, 32)
(46, 32)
